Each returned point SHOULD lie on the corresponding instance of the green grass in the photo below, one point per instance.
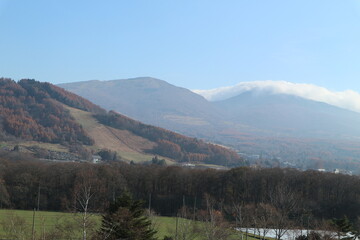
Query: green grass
(141, 157)
(42, 218)
(44, 223)
(3, 144)
(212, 166)
(49, 146)
(136, 157)
(166, 226)
(47, 222)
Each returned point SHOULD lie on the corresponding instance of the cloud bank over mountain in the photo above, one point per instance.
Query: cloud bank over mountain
(348, 99)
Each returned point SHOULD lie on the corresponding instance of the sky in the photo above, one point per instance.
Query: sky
(196, 44)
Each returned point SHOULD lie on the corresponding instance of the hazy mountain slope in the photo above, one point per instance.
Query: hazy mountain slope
(280, 129)
(289, 115)
(258, 112)
(261, 122)
(152, 101)
(347, 99)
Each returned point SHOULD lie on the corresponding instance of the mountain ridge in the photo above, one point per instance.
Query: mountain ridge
(176, 108)
(162, 104)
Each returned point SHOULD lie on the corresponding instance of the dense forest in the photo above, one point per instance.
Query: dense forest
(288, 193)
(31, 110)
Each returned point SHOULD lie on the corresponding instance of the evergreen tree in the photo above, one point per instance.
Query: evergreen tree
(125, 219)
(343, 226)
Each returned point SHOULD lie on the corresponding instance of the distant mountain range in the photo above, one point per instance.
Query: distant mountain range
(266, 113)
(266, 123)
(49, 122)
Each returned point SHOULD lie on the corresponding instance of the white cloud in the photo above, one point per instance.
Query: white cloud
(346, 99)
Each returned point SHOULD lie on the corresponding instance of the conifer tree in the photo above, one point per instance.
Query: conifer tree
(125, 219)
(343, 226)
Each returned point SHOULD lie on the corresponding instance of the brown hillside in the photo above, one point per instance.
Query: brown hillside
(171, 144)
(126, 144)
(27, 111)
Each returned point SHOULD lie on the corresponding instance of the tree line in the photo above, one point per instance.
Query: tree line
(28, 184)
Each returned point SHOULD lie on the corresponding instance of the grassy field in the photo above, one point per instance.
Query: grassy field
(45, 222)
(69, 224)
(20, 223)
(49, 146)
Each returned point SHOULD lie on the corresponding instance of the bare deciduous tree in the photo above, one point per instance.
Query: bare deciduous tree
(244, 215)
(213, 226)
(285, 202)
(186, 229)
(263, 219)
(85, 189)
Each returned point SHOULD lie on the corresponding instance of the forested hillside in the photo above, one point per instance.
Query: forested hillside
(42, 112)
(31, 110)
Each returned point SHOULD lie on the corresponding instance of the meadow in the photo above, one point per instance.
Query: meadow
(45, 224)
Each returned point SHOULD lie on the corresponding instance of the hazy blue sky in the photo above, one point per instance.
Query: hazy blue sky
(191, 43)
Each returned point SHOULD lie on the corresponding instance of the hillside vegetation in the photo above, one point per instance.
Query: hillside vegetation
(171, 144)
(29, 111)
(128, 145)
(41, 112)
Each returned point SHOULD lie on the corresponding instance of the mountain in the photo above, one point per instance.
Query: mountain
(347, 99)
(263, 121)
(289, 115)
(153, 101)
(257, 111)
(50, 122)
(292, 130)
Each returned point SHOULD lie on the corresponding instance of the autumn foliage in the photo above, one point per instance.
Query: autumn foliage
(31, 110)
